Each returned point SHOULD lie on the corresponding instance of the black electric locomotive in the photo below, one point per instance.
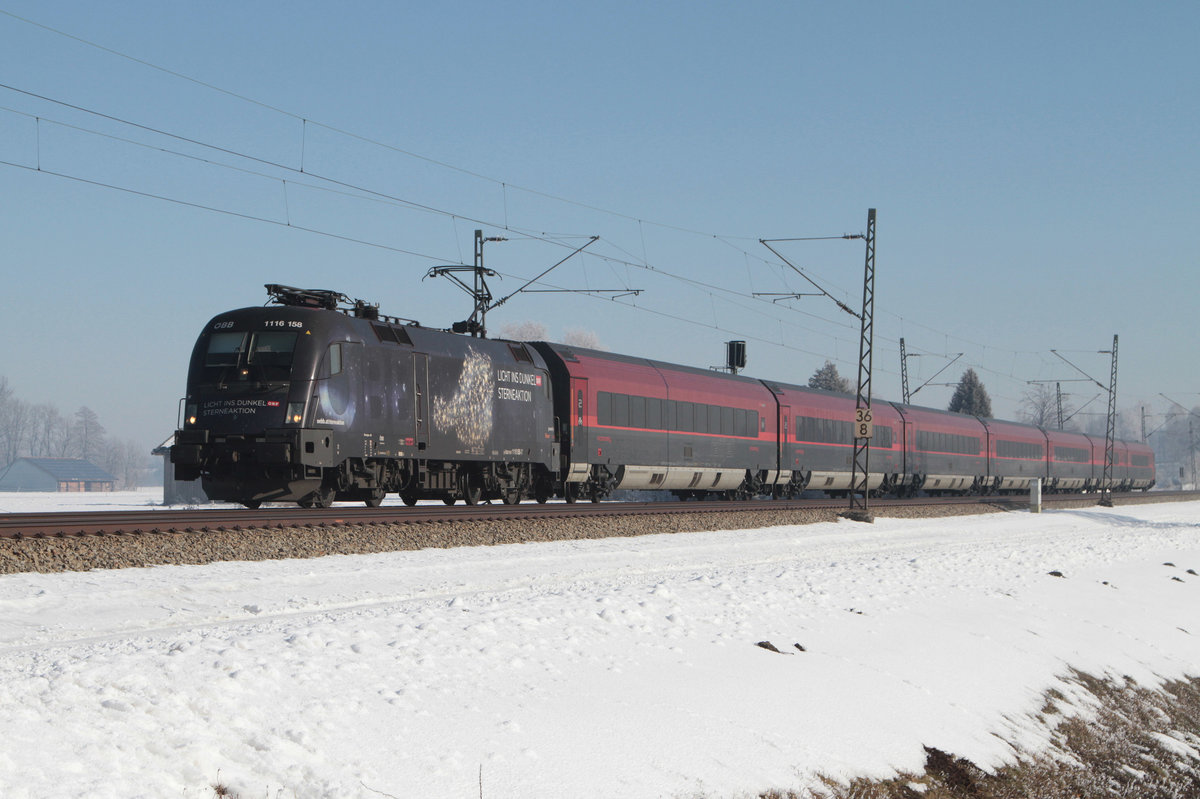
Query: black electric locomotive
(298, 401)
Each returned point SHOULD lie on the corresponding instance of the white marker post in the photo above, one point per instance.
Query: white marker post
(1035, 495)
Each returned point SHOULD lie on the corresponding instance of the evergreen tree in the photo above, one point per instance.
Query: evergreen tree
(828, 379)
(971, 397)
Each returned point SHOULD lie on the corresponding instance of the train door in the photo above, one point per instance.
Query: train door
(579, 427)
(421, 399)
(908, 444)
(784, 437)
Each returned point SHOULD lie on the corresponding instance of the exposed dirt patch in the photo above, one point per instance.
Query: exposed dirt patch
(1122, 740)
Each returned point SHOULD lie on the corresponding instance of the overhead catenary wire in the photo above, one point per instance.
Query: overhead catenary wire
(355, 191)
(504, 185)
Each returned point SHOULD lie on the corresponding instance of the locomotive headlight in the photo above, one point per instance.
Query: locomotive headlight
(295, 412)
(190, 415)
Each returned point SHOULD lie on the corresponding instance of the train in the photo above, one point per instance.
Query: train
(315, 398)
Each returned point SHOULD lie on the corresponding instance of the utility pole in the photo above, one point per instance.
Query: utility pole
(1110, 434)
(904, 356)
(481, 295)
(1058, 394)
(863, 423)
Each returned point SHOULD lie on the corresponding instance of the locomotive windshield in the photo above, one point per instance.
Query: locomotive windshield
(263, 356)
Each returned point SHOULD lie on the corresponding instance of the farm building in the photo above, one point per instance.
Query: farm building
(55, 474)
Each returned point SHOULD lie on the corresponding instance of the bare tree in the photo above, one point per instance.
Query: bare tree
(48, 433)
(124, 460)
(524, 331)
(6, 402)
(89, 433)
(1039, 406)
(578, 337)
(14, 428)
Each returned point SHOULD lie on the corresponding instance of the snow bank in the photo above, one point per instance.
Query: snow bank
(619, 667)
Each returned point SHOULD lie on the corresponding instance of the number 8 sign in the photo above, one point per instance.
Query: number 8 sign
(864, 427)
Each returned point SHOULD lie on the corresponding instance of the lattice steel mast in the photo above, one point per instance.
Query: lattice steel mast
(859, 483)
(1110, 433)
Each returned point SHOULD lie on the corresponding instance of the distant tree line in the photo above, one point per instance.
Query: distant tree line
(43, 431)
(530, 330)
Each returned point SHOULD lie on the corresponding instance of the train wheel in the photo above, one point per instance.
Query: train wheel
(375, 498)
(570, 493)
(321, 498)
(511, 496)
(252, 504)
(450, 500)
(471, 490)
(408, 498)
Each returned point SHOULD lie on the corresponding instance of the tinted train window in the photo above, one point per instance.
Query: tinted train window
(654, 419)
(684, 419)
(651, 413)
(620, 410)
(947, 442)
(883, 437)
(824, 431)
(1018, 449)
(637, 412)
(271, 349)
(1071, 454)
(224, 349)
(270, 355)
(332, 363)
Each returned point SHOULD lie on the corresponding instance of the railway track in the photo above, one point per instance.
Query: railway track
(123, 523)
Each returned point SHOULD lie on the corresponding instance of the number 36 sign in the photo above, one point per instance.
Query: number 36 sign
(864, 427)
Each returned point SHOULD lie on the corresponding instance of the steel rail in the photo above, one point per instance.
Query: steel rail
(100, 523)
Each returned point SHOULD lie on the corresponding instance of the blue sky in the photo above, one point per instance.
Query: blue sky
(1034, 167)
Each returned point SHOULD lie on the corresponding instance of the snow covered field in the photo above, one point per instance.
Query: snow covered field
(611, 668)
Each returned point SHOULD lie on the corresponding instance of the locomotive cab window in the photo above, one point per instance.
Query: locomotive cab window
(259, 356)
(331, 364)
(270, 355)
(271, 349)
(224, 349)
(221, 358)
